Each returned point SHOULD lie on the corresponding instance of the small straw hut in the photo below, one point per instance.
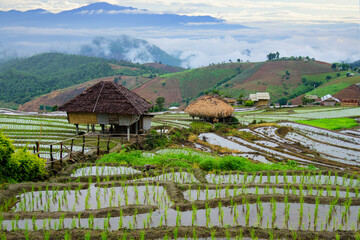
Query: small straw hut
(211, 108)
(107, 103)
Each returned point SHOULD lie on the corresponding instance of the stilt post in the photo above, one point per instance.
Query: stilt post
(128, 133)
(77, 129)
(61, 153)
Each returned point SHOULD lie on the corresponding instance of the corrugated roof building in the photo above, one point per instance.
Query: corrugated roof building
(260, 98)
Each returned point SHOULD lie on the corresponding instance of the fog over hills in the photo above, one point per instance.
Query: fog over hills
(189, 41)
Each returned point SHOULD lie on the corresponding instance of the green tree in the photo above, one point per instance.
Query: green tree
(160, 103)
(240, 98)
(282, 101)
(333, 66)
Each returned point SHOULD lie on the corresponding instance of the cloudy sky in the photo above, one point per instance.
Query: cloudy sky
(243, 11)
(325, 29)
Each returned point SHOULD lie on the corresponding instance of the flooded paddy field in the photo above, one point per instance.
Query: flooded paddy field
(179, 203)
(123, 201)
(284, 141)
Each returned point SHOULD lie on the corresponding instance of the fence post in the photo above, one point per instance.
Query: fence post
(37, 148)
(71, 148)
(51, 156)
(61, 153)
(98, 145)
(108, 145)
(83, 146)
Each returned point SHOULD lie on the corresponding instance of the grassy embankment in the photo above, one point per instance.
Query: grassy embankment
(332, 123)
(193, 159)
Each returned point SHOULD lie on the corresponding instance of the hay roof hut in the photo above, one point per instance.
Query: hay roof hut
(210, 107)
(108, 103)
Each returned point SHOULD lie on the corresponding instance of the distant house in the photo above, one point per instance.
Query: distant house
(350, 102)
(107, 103)
(173, 108)
(231, 101)
(329, 100)
(211, 108)
(349, 96)
(260, 98)
(311, 97)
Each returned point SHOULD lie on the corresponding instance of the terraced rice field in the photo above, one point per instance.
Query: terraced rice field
(171, 203)
(112, 201)
(25, 129)
(301, 143)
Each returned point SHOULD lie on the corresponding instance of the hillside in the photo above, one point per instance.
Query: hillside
(341, 87)
(280, 78)
(164, 67)
(283, 79)
(58, 97)
(22, 80)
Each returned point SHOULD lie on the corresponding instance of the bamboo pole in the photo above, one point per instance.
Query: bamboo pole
(51, 156)
(61, 153)
(98, 145)
(71, 148)
(108, 145)
(83, 145)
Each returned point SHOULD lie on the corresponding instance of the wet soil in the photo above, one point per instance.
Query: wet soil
(160, 232)
(128, 210)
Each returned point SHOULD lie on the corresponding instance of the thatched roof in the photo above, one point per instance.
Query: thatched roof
(210, 106)
(109, 98)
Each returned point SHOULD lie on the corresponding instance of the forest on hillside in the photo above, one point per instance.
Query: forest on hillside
(23, 79)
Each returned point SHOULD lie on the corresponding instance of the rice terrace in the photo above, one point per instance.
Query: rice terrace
(273, 175)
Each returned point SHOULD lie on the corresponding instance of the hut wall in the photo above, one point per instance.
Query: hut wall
(146, 124)
(103, 119)
(328, 103)
(82, 118)
(262, 103)
(127, 120)
(350, 103)
(114, 119)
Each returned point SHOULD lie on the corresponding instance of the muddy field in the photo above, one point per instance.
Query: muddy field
(117, 201)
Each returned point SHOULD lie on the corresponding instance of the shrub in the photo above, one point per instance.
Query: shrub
(179, 135)
(249, 103)
(19, 165)
(199, 127)
(155, 140)
(24, 166)
(6, 149)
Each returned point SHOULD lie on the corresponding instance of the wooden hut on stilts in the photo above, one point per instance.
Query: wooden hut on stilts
(107, 103)
(211, 108)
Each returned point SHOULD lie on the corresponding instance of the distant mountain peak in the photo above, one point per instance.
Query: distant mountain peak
(39, 10)
(100, 6)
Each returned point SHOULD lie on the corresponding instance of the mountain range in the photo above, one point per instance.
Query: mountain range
(105, 15)
(86, 29)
